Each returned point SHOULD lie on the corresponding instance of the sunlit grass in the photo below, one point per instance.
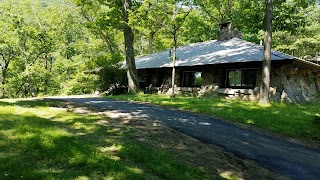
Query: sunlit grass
(296, 121)
(43, 140)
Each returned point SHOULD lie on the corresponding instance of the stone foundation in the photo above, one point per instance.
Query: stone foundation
(295, 85)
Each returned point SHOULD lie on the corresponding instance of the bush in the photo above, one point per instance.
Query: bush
(81, 84)
(112, 78)
(317, 119)
(116, 89)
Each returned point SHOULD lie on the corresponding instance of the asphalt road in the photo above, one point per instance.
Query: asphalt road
(279, 155)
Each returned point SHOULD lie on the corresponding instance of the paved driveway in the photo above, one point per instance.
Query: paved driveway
(281, 156)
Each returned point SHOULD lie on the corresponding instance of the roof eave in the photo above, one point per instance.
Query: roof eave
(311, 65)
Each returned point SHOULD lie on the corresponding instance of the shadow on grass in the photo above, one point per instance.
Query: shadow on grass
(35, 148)
(71, 145)
(32, 103)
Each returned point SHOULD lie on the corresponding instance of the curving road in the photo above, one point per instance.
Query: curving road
(286, 158)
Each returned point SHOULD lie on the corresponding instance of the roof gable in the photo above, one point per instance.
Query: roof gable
(209, 52)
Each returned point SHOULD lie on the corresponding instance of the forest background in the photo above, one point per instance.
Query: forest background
(58, 47)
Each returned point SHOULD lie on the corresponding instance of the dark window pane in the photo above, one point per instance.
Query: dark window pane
(242, 78)
(249, 77)
(192, 79)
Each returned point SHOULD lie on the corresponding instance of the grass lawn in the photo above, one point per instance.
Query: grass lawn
(295, 121)
(50, 140)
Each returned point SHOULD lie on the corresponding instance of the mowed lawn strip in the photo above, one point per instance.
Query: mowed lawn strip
(49, 140)
(291, 120)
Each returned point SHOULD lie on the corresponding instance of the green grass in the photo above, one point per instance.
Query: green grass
(41, 140)
(290, 120)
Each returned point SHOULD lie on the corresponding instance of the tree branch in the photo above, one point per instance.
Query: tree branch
(183, 19)
(208, 13)
(36, 58)
(103, 36)
(3, 57)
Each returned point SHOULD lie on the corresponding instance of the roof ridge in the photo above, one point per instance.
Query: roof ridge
(254, 45)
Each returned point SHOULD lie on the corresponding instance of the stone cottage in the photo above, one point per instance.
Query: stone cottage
(230, 66)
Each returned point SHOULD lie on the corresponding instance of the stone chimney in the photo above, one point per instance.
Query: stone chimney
(226, 31)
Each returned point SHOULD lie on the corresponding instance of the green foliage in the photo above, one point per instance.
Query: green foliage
(111, 75)
(217, 10)
(81, 84)
(48, 47)
(317, 119)
(297, 28)
(198, 28)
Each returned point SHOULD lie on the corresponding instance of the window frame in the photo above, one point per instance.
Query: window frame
(183, 77)
(227, 81)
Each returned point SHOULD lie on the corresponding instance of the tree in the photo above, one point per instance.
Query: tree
(149, 19)
(7, 53)
(58, 47)
(296, 28)
(133, 83)
(99, 24)
(178, 12)
(175, 27)
(217, 10)
(198, 27)
(116, 15)
(266, 63)
(8, 44)
(34, 41)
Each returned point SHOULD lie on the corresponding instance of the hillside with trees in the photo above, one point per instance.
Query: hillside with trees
(75, 46)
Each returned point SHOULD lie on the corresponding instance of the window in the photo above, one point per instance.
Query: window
(234, 77)
(241, 78)
(192, 79)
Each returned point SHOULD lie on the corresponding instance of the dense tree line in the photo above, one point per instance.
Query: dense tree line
(75, 46)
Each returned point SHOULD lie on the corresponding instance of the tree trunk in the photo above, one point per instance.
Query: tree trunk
(30, 82)
(31, 89)
(133, 83)
(266, 63)
(4, 76)
(151, 35)
(4, 68)
(4, 72)
(174, 63)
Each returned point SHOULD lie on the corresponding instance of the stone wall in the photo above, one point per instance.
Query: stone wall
(294, 85)
(227, 31)
(225, 34)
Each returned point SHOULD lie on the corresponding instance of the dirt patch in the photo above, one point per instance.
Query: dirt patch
(186, 149)
(192, 151)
